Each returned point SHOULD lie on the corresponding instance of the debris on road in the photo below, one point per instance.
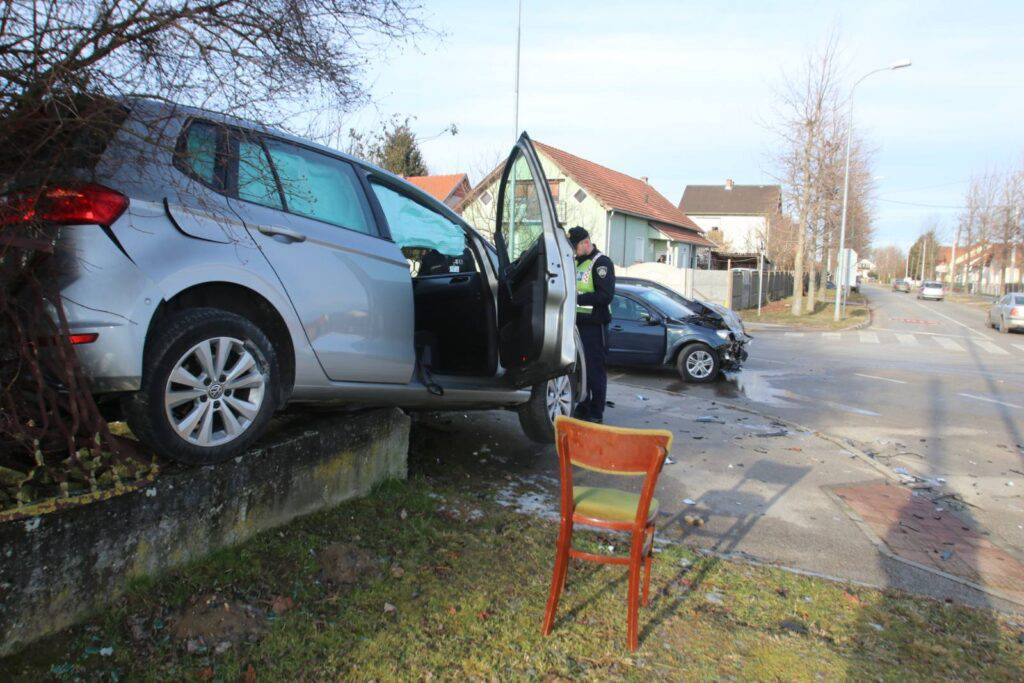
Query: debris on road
(710, 419)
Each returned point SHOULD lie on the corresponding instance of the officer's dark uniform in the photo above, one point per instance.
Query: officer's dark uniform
(595, 287)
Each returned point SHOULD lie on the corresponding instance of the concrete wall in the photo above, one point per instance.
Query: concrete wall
(57, 568)
(736, 289)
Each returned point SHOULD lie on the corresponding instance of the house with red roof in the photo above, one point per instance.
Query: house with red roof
(450, 189)
(626, 217)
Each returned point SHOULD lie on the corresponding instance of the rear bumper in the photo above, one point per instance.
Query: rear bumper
(105, 293)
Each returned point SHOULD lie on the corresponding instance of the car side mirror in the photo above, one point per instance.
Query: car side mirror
(649, 319)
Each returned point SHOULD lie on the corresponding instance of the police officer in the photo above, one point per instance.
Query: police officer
(595, 287)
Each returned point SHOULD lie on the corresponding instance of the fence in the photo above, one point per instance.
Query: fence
(736, 289)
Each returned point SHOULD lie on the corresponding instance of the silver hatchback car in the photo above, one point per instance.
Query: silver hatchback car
(216, 270)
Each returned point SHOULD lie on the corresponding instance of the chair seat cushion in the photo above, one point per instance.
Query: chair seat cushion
(611, 505)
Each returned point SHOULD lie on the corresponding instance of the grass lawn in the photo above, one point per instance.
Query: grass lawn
(777, 313)
(453, 586)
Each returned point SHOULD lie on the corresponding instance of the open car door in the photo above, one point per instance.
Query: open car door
(536, 274)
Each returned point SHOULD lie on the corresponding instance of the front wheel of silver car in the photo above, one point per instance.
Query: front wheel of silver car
(548, 400)
(209, 386)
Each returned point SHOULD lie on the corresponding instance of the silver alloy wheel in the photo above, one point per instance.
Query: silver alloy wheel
(214, 392)
(699, 364)
(558, 397)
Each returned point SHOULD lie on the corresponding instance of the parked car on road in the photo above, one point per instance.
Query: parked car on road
(931, 290)
(1007, 313)
(215, 270)
(901, 286)
(652, 325)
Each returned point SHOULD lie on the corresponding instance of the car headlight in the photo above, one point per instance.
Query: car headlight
(724, 334)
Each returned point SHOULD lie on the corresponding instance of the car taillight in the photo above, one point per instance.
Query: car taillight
(84, 338)
(1017, 312)
(65, 204)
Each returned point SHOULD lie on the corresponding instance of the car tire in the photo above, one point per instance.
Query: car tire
(205, 409)
(1003, 329)
(693, 364)
(548, 399)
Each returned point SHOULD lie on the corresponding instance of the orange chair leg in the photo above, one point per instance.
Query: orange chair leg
(558, 575)
(647, 578)
(632, 620)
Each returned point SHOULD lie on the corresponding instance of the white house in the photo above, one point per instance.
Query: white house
(738, 217)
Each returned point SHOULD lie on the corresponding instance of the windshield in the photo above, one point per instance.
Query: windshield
(665, 303)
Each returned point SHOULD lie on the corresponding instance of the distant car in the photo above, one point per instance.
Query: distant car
(1007, 313)
(655, 326)
(931, 290)
(901, 286)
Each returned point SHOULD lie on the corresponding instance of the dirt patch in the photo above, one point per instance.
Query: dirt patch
(212, 620)
(345, 563)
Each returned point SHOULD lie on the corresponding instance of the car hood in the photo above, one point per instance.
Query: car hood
(728, 316)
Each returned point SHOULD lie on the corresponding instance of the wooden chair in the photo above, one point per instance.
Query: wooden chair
(611, 450)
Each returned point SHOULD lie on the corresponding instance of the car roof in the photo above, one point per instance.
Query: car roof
(159, 108)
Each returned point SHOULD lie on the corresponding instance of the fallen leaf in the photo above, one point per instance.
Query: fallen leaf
(205, 674)
(250, 675)
(281, 604)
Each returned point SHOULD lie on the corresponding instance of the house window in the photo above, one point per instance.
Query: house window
(486, 197)
(579, 195)
(553, 186)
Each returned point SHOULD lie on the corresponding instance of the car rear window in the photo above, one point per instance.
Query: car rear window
(933, 284)
(1018, 300)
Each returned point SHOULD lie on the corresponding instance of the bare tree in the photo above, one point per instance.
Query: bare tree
(805, 104)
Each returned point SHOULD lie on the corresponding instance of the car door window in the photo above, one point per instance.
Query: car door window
(320, 186)
(627, 309)
(197, 153)
(423, 233)
(521, 211)
(255, 177)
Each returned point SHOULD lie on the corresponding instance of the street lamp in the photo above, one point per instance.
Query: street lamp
(842, 267)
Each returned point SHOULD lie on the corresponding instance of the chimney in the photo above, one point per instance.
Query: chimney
(728, 183)
(644, 178)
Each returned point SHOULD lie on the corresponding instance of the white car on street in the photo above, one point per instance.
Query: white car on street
(1007, 313)
(931, 290)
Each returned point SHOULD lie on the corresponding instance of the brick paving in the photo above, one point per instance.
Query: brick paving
(917, 529)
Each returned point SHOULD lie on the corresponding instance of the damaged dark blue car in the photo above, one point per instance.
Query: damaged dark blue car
(653, 325)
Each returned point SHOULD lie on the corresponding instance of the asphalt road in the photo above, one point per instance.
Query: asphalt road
(928, 387)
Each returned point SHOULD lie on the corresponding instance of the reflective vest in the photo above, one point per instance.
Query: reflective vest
(585, 283)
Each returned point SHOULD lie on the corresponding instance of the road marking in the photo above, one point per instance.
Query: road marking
(908, 339)
(952, 320)
(947, 343)
(868, 338)
(990, 347)
(991, 400)
(884, 379)
(1019, 346)
(794, 334)
(830, 335)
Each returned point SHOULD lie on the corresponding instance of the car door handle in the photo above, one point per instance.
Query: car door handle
(459, 278)
(616, 328)
(275, 231)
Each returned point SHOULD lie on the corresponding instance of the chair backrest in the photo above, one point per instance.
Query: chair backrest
(611, 450)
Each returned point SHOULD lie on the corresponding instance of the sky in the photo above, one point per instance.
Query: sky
(682, 92)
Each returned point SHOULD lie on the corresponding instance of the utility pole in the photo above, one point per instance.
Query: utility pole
(515, 104)
(924, 249)
(952, 259)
